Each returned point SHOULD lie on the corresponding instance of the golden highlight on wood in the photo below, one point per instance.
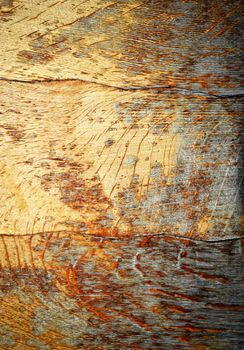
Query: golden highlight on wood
(121, 148)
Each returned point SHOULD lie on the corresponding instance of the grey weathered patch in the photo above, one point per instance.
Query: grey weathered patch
(38, 344)
(7, 337)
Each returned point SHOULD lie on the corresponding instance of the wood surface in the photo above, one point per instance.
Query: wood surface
(189, 44)
(70, 291)
(121, 171)
(86, 158)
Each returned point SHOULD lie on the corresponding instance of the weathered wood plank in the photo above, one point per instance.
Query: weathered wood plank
(84, 158)
(189, 44)
(79, 292)
(121, 175)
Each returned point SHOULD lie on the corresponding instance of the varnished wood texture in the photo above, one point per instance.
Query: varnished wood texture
(121, 137)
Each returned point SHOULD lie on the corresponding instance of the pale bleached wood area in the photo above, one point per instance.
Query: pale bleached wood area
(121, 171)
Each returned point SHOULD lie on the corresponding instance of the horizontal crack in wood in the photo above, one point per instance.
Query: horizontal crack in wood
(130, 88)
(127, 238)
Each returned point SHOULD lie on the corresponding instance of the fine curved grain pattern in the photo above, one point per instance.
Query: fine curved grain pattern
(121, 175)
(79, 292)
(191, 44)
(97, 160)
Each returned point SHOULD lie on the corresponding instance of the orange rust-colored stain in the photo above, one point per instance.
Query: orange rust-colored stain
(178, 309)
(40, 57)
(174, 295)
(226, 307)
(205, 275)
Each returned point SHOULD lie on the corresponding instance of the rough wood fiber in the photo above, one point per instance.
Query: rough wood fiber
(87, 158)
(121, 175)
(193, 44)
(79, 292)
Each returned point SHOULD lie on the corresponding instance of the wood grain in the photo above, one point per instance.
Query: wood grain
(81, 292)
(121, 175)
(84, 158)
(190, 44)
